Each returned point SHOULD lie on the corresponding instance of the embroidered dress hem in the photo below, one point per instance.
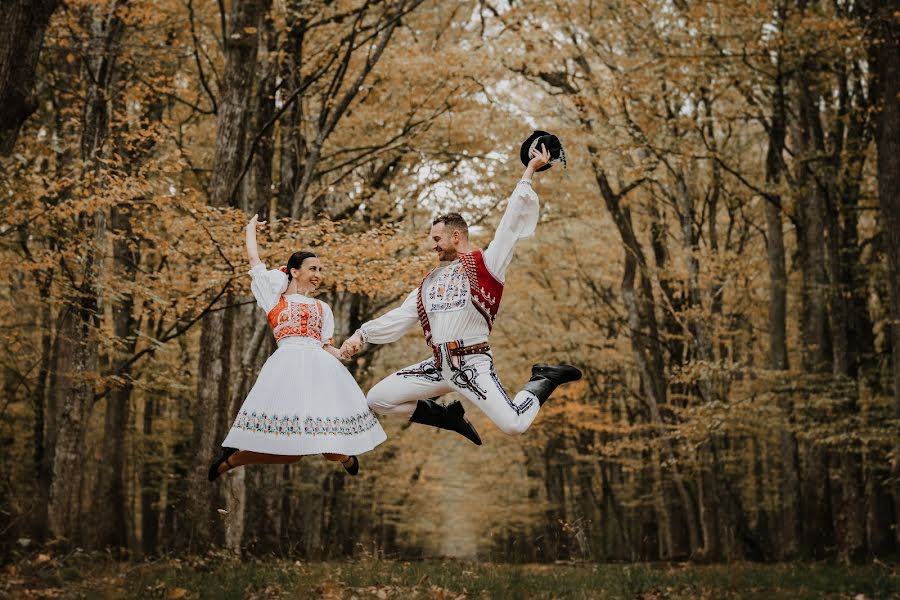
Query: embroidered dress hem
(302, 445)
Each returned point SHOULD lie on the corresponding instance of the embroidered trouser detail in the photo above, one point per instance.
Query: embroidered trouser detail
(424, 370)
(467, 379)
(521, 408)
(397, 394)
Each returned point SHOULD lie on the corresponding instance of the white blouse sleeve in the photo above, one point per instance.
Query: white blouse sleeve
(518, 222)
(327, 325)
(391, 326)
(267, 286)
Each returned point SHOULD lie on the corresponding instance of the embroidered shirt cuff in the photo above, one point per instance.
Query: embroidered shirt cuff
(524, 181)
(362, 333)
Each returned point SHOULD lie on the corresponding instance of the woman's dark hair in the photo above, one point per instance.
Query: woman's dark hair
(296, 261)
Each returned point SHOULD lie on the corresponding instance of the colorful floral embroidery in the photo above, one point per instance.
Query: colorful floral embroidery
(450, 290)
(358, 423)
(290, 424)
(296, 318)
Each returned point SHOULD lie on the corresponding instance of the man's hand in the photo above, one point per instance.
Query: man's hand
(538, 160)
(351, 345)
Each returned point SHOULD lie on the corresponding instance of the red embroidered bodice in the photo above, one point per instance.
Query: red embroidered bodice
(296, 318)
(485, 291)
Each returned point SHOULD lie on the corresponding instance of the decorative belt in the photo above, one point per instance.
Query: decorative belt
(455, 350)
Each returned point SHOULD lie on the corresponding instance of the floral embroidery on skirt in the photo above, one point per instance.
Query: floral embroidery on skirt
(290, 424)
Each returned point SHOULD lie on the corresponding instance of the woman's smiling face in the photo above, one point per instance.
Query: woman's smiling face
(309, 275)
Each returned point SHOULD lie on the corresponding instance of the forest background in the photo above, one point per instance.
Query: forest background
(720, 258)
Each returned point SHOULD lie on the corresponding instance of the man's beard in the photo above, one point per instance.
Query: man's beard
(447, 255)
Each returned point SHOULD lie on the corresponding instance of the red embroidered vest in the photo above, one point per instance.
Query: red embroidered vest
(296, 318)
(484, 291)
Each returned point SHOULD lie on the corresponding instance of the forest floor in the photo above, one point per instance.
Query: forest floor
(96, 576)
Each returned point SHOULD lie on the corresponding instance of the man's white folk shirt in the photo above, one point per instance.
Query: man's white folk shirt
(447, 298)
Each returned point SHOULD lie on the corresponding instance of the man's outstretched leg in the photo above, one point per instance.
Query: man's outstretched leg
(409, 393)
(478, 382)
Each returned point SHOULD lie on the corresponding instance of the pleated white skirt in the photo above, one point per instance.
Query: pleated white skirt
(304, 402)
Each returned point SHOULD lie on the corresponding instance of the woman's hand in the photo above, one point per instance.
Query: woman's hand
(334, 352)
(252, 251)
(255, 222)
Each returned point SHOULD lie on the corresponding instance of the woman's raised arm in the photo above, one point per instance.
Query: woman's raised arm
(252, 250)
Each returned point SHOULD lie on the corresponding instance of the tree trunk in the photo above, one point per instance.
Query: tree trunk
(41, 458)
(778, 357)
(815, 340)
(884, 39)
(249, 350)
(111, 527)
(790, 531)
(291, 144)
(789, 515)
(22, 27)
(257, 191)
(214, 370)
(73, 395)
(77, 356)
(150, 480)
(554, 546)
(811, 232)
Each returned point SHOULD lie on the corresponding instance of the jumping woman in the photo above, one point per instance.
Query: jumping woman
(304, 400)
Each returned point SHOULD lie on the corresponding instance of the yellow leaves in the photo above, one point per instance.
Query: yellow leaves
(330, 590)
(176, 593)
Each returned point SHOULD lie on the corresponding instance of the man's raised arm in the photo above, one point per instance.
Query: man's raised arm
(518, 221)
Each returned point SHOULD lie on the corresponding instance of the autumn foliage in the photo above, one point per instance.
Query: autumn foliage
(720, 258)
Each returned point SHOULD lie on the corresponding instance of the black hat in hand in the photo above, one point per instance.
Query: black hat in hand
(550, 142)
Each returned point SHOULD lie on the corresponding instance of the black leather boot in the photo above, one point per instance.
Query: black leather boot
(545, 379)
(451, 417)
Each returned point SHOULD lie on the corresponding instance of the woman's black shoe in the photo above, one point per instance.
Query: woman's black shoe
(353, 469)
(223, 458)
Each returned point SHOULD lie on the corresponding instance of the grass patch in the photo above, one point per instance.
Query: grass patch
(221, 577)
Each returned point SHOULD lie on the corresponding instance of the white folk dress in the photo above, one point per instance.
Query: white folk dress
(304, 400)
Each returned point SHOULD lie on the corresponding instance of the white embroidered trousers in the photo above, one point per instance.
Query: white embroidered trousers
(475, 379)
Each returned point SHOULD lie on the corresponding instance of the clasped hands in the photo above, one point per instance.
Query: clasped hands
(351, 346)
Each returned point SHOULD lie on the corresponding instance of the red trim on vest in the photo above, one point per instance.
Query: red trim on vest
(423, 316)
(485, 291)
